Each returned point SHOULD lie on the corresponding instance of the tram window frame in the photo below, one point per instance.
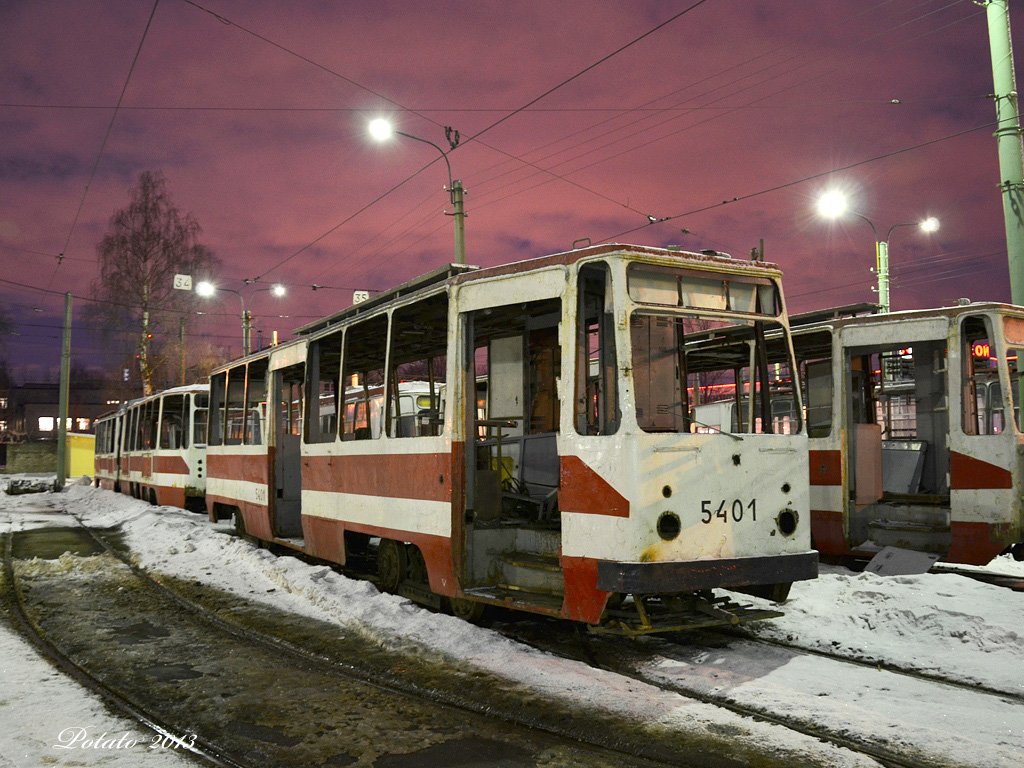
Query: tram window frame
(668, 349)
(234, 421)
(174, 433)
(200, 403)
(323, 373)
(363, 369)
(418, 351)
(215, 414)
(979, 415)
(818, 391)
(656, 285)
(255, 402)
(597, 409)
(150, 424)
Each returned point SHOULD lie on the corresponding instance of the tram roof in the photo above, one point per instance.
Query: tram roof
(416, 284)
(852, 314)
(463, 273)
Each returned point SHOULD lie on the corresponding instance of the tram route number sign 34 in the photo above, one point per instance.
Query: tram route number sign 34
(726, 510)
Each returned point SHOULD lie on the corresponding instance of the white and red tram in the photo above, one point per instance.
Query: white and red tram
(549, 459)
(915, 430)
(107, 461)
(154, 448)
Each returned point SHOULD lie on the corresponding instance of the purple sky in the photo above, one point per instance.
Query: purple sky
(257, 117)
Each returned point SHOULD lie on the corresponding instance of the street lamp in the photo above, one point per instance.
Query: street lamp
(208, 289)
(381, 130)
(832, 205)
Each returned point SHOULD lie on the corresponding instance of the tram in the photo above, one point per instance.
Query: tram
(107, 461)
(915, 430)
(154, 448)
(524, 436)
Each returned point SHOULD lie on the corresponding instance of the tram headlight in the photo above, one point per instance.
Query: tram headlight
(786, 521)
(669, 526)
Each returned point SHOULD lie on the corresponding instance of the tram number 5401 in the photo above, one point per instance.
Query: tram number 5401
(726, 510)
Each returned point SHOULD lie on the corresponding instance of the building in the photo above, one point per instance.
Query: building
(30, 413)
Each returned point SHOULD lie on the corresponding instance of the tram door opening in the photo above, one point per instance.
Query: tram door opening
(513, 528)
(288, 388)
(898, 445)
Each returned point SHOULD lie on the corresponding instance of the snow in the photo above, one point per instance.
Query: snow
(942, 623)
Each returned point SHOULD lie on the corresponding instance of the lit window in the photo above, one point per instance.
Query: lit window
(46, 423)
(3, 426)
(3, 402)
(83, 425)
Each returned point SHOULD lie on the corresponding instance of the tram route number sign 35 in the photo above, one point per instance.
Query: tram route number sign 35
(726, 510)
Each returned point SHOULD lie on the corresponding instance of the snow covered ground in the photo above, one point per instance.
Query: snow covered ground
(936, 622)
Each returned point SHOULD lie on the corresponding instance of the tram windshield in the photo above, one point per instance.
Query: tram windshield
(701, 373)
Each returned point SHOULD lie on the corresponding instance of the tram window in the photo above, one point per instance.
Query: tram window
(817, 378)
(291, 403)
(172, 433)
(1013, 357)
(150, 416)
(667, 286)
(597, 401)
(199, 416)
(419, 345)
(363, 376)
(215, 435)
(255, 402)
(982, 397)
(128, 434)
(324, 372)
(682, 364)
(235, 406)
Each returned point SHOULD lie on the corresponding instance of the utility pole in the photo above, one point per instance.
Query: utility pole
(459, 213)
(65, 394)
(1008, 138)
(181, 345)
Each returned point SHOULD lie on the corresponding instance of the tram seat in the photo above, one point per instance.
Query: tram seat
(903, 465)
(538, 475)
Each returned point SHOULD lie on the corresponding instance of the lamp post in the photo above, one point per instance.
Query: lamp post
(381, 130)
(831, 205)
(209, 289)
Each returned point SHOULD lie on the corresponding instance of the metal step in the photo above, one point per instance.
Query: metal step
(511, 597)
(536, 560)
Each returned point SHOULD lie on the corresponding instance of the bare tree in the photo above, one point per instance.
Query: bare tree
(147, 244)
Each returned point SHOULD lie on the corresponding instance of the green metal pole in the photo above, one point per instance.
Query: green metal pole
(1008, 138)
(882, 265)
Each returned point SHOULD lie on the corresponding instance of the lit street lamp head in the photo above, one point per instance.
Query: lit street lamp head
(931, 224)
(206, 288)
(832, 204)
(380, 129)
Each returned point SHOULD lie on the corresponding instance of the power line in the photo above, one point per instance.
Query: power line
(103, 144)
(805, 179)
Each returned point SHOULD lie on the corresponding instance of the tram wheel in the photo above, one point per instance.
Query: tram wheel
(391, 564)
(417, 567)
(1017, 550)
(467, 610)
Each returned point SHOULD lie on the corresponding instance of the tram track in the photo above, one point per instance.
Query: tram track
(623, 658)
(866, 662)
(463, 694)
